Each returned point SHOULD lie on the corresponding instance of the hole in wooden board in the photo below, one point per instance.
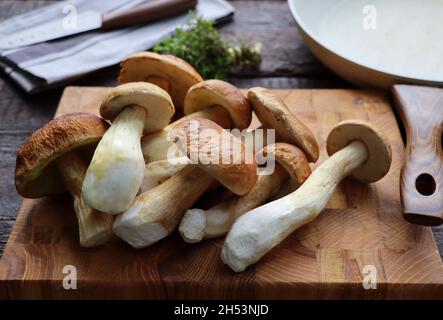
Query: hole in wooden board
(425, 184)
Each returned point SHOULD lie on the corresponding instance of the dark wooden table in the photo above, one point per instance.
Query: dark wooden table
(287, 63)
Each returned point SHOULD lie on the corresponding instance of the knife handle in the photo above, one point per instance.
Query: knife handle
(148, 12)
(421, 185)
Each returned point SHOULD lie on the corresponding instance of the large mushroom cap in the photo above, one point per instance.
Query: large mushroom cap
(35, 173)
(274, 113)
(218, 153)
(219, 93)
(154, 99)
(171, 73)
(292, 159)
(379, 150)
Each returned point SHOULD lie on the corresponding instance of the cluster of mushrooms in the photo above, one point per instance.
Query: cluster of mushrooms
(122, 167)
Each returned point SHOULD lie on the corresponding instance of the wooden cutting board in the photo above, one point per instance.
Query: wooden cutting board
(362, 226)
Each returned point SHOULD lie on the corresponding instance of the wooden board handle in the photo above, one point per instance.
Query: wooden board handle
(421, 110)
(148, 12)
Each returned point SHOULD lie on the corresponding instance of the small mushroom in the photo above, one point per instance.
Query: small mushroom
(170, 73)
(198, 224)
(51, 161)
(273, 113)
(356, 149)
(156, 213)
(214, 100)
(116, 170)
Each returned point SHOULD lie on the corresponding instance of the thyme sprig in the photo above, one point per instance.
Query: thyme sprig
(200, 44)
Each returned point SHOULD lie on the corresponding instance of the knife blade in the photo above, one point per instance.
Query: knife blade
(91, 20)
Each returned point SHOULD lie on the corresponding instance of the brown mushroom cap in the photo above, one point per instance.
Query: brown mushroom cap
(208, 138)
(36, 174)
(274, 113)
(292, 159)
(216, 92)
(170, 73)
(379, 150)
(154, 99)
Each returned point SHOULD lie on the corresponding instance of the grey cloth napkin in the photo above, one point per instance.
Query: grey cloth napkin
(54, 63)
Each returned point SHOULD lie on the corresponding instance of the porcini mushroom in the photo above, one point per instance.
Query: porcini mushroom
(356, 149)
(215, 100)
(116, 171)
(155, 213)
(273, 113)
(198, 224)
(170, 73)
(51, 162)
(158, 171)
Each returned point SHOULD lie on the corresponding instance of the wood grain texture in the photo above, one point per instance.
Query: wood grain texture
(421, 111)
(361, 226)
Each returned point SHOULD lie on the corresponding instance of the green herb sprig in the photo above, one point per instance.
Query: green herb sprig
(200, 44)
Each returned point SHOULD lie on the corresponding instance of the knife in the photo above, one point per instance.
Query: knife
(91, 20)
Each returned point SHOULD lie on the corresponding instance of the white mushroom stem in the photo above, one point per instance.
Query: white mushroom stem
(116, 170)
(157, 146)
(159, 171)
(198, 224)
(258, 231)
(95, 227)
(156, 213)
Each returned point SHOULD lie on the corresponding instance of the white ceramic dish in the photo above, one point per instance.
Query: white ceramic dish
(375, 43)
